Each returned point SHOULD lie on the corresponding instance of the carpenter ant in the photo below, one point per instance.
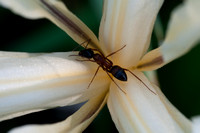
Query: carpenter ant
(107, 65)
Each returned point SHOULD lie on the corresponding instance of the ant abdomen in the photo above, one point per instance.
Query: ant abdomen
(118, 73)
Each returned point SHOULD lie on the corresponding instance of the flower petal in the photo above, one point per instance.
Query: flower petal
(183, 34)
(32, 82)
(139, 110)
(129, 23)
(153, 77)
(196, 124)
(73, 124)
(56, 11)
(26, 8)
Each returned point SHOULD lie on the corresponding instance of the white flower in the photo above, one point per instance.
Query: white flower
(33, 82)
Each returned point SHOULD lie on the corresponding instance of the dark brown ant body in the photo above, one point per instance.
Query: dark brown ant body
(107, 65)
(104, 63)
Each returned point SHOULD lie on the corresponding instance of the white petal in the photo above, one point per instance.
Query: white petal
(183, 32)
(182, 35)
(141, 111)
(56, 11)
(74, 124)
(153, 77)
(196, 124)
(130, 23)
(27, 8)
(31, 82)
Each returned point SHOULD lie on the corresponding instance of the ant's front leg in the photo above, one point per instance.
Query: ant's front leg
(82, 60)
(115, 51)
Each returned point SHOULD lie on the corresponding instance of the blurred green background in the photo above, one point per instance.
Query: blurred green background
(179, 80)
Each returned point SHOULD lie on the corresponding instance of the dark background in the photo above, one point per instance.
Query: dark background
(179, 80)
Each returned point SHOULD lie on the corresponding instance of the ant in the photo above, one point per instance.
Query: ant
(106, 64)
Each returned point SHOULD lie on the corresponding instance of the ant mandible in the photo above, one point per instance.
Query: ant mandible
(106, 64)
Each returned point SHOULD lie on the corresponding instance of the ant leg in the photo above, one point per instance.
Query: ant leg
(93, 77)
(116, 83)
(140, 81)
(82, 60)
(115, 51)
(85, 60)
(74, 55)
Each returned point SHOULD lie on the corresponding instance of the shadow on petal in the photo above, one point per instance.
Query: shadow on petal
(75, 123)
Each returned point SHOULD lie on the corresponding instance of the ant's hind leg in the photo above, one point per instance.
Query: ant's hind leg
(116, 83)
(140, 81)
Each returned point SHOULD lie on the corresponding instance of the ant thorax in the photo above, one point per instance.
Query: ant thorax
(102, 61)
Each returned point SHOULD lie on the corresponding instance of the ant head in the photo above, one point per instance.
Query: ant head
(87, 53)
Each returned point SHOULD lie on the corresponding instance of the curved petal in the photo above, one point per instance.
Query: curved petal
(141, 111)
(26, 8)
(73, 124)
(153, 77)
(31, 82)
(129, 23)
(56, 11)
(183, 33)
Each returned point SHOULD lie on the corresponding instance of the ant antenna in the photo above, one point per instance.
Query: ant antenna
(86, 41)
(140, 81)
